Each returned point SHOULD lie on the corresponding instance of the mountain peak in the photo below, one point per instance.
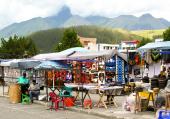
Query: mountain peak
(146, 16)
(65, 10)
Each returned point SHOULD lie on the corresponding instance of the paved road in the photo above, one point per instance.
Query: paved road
(35, 111)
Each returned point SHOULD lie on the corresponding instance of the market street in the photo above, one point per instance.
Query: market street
(35, 111)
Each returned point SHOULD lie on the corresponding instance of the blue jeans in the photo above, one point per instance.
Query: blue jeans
(34, 94)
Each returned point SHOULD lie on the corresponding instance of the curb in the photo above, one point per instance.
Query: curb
(93, 113)
(40, 103)
(5, 96)
(80, 110)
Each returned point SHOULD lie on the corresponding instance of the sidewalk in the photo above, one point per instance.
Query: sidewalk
(110, 113)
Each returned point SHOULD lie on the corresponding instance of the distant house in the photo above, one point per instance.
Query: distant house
(102, 47)
(130, 45)
(85, 41)
(90, 44)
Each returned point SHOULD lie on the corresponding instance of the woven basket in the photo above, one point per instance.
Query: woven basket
(15, 93)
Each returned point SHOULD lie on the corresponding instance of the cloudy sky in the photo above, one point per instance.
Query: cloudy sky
(19, 10)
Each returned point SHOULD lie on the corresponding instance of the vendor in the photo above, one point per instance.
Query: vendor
(23, 79)
(24, 82)
(163, 72)
(34, 90)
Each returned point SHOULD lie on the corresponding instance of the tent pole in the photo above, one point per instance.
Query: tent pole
(128, 66)
(46, 78)
(53, 79)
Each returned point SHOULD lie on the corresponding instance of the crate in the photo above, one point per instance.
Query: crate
(143, 104)
(163, 114)
(146, 95)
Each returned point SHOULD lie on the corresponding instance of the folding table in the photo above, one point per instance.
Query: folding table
(112, 91)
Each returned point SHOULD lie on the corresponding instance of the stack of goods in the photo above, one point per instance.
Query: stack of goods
(101, 66)
(110, 70)
(77, 72)
(120, 70)
(50, 78)
(86, 72)
(101, 70)
(94, 73)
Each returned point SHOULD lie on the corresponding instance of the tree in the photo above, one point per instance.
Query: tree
(69, 40)
(17, 47)
(166, 34)
(144, 41)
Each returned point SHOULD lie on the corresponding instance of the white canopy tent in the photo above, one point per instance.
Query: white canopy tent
(163, 45)
(94, 54)
(59, 55)
(155, 45)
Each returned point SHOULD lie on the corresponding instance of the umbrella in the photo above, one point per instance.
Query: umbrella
(46, 65)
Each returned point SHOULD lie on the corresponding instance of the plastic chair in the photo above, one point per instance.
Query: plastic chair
(66, 92)
(55, 101)
(26, 99)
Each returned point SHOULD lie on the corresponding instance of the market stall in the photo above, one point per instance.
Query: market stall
(154, 90)
(51, 68)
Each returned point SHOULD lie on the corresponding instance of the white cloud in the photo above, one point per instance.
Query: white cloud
(19, 10)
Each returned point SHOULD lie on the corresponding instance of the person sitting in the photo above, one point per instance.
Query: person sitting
(145, 79)
(168, 71)
(24, 83)
(34, 90)
(163, 73)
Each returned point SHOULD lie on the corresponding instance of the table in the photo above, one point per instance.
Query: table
(81, 87)
(152, 97)
(138, 100)
(103, 90)
(111, 91)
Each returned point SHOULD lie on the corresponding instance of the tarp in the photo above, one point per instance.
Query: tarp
(89, 55)
(59, 55)
(155, 45)
(95, 54)
(79, 53)
(51, 65)
(8, 62)
(25, 64)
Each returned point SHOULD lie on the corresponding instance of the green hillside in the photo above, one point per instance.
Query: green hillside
(46, 39)
(148, 33)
